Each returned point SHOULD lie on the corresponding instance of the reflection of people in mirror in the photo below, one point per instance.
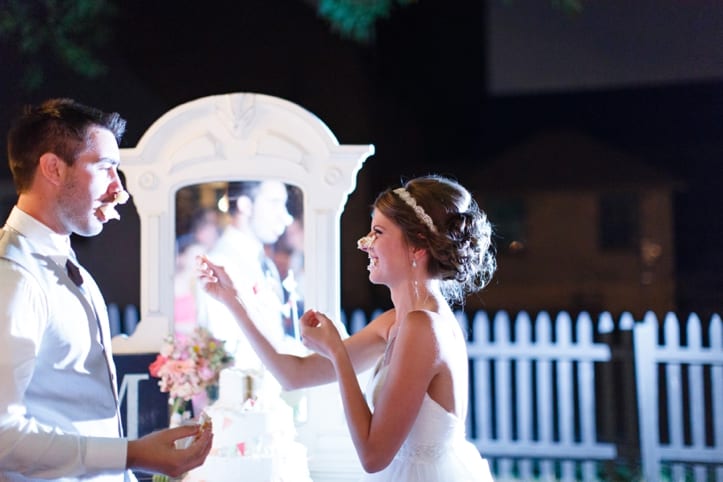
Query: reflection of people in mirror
(288, 256)
(202, 236)
(430, 245)
(258, 217)
(204, 228)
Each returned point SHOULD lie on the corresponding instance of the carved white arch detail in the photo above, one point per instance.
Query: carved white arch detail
(234, 137)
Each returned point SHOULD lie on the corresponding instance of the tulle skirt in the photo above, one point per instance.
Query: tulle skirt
(460, 463)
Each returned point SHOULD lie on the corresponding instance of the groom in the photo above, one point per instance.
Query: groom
(59, 417)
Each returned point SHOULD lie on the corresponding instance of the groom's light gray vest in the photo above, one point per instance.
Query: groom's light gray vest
(71, 385)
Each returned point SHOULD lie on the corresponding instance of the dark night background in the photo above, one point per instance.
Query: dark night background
(444, 86)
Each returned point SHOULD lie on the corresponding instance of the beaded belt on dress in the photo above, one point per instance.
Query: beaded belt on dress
(421, 452)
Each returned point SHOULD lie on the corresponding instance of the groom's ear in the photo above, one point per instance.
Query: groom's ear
(51, 169)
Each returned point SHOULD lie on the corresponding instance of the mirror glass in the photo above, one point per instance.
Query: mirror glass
(255, 230)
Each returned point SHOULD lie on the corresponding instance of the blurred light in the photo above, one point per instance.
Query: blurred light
(516, 247)
(223, 204)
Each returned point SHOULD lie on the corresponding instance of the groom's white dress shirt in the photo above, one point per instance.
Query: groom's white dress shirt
(59, 415)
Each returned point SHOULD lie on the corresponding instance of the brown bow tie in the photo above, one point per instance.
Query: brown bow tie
(74, 273)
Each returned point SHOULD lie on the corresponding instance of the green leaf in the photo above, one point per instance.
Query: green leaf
(70, 33)
(356, 19)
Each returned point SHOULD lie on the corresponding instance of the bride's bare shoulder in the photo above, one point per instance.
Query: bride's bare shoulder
(383, 323)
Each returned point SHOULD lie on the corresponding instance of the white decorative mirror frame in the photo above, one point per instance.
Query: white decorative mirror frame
(242, 136)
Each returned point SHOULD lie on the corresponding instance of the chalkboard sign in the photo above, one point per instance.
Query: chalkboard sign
(144, 408)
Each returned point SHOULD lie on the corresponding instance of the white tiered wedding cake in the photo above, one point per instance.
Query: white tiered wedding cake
(253, 434)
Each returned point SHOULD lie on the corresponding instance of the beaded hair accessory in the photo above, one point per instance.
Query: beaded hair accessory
(418, 210)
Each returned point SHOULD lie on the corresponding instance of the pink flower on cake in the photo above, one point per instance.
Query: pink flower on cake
(189, 364)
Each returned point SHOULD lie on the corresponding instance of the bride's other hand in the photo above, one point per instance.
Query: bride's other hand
(216, 282)
(318, 333)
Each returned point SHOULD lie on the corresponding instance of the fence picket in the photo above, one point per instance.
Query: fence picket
(716, 345)
(482, 380)
(524, 404)
(695, 385)
(565, 394)
(503, 393)
(586, 377)
(544, 388)
(673, 374)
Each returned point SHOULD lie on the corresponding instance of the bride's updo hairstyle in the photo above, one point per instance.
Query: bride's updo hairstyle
(440, 215)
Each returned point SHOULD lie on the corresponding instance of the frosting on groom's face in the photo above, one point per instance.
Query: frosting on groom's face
(107, 211)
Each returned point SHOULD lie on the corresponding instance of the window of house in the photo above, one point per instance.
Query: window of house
(619, 221)
(509, 224)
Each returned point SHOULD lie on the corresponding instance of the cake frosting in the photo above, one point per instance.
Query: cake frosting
(108, 211)
(253, 433)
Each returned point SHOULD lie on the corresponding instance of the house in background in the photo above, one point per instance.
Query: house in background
(579, 226)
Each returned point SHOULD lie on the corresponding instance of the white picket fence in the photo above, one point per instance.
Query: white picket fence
(688, 377)
(557, 398)
(527, 378)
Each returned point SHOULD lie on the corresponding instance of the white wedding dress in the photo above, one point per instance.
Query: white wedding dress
(435, 450)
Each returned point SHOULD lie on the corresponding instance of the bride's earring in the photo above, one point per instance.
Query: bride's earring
(415, 282)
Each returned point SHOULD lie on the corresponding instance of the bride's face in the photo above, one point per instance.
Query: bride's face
(387, 250)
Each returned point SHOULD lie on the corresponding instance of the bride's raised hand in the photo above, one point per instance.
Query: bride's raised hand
(216, 282)
(318, 333)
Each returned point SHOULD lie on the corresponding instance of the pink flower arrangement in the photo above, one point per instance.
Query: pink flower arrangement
(189, 364)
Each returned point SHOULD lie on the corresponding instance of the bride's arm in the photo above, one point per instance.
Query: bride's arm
(293, 371)
(377, 437)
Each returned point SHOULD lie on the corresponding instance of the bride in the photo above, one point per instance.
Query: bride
(430, 245)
